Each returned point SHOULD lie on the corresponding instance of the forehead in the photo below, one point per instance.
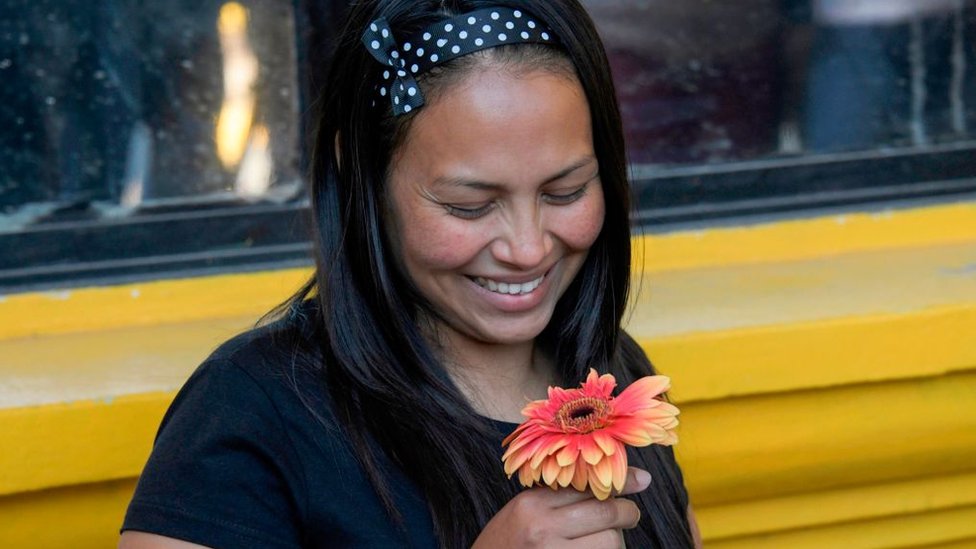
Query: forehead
(498, 124)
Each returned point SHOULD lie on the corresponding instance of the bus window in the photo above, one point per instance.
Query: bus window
(110, 106)
(703, 81)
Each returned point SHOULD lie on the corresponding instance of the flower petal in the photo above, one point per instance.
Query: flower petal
(567, 455)
(580, 476)
(640, 393)
(550, 470)
(605, 441)
(604, 472)
(599, 489)
(618, 464)
(598, 386)
(566, 474)
(631, 432)
(591, 452)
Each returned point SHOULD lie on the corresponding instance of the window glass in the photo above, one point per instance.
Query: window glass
(110, 105)
(705, 81)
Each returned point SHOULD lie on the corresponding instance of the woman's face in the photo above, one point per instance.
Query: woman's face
(496, 198)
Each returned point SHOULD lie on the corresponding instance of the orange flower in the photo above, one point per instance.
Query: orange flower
(577, 436)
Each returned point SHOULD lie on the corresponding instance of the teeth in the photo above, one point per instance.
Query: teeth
(507, 288)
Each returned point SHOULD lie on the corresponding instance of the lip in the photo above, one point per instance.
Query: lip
(516, 279)
(515, 303)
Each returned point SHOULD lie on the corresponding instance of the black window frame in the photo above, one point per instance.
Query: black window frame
(198, 237)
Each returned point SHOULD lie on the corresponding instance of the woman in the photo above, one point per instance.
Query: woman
(473, 247)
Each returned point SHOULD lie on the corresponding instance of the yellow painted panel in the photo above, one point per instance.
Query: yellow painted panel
(743, 296)
(96, 365)
(969, 543)
(147, 303)
(180, 300)
(78, 442)
(769, 359)
(821, 508)
(805, 238)
(765, 446)
(79, 517)
(944, 526)
(88, 516)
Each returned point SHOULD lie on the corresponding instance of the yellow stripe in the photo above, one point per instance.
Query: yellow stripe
(167, 301)
(805, 238)
(766, 446)
(148, 303)
(817, 509)
(77, 442)
(903, 531)
(822, 354)
(79, 517)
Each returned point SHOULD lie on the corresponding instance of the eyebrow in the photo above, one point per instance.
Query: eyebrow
(490, 186)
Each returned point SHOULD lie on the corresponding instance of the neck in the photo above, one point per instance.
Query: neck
(498, 380)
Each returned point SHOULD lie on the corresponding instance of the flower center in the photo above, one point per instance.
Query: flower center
(583, 414)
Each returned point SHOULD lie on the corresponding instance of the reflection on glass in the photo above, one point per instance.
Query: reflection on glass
(236, 138)
(118, 103)
(888, 72)
(240, 73)
(724, 80)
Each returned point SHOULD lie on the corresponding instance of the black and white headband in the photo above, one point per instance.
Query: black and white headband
(442, 42)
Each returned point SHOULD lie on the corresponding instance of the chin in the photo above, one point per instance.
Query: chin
(510, 335)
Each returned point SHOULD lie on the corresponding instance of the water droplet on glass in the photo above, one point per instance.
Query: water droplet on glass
(99, 75)
(5, 63)
(187, 64)
(50, 101)
(24, 39)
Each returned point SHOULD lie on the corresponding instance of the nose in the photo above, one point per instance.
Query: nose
(525, 241)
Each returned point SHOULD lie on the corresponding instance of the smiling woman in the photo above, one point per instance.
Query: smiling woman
(496, 200)
(473, 248)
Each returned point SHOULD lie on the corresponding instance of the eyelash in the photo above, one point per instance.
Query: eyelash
(556, 199)
(468, 213)
(563, 199)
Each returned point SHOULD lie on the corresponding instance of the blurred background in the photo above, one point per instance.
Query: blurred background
(804, 174)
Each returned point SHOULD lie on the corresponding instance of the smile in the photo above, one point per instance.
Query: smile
(508, 288)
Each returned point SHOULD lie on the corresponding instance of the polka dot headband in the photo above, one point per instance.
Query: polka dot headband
(442, 42)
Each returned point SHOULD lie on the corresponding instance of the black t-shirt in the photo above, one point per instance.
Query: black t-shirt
(250, 455)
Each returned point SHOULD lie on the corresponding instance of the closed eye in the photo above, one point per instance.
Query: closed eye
(468, 213)
(568, 198)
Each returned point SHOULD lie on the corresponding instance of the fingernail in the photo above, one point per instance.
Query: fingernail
(642, 477)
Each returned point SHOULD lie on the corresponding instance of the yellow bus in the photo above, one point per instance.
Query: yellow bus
(804, 174)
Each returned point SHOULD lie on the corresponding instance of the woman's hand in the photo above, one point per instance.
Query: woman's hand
(564, 518)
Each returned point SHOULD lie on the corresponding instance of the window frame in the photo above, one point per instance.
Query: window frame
(193, 237)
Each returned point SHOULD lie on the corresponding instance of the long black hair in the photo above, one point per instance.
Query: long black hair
(388, 388)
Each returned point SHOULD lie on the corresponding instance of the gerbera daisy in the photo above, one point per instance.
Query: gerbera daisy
(577, 436)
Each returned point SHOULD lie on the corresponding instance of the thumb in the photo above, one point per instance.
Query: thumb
(637, 481)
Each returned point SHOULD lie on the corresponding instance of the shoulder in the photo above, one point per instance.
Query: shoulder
(275, 364)
(231, 462)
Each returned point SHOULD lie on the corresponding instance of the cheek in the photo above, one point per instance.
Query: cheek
(581, 230)
(434, 243)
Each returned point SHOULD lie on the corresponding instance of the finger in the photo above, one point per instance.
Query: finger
(637, 481)
(604, 539)
(591, 516)
(554, 499)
